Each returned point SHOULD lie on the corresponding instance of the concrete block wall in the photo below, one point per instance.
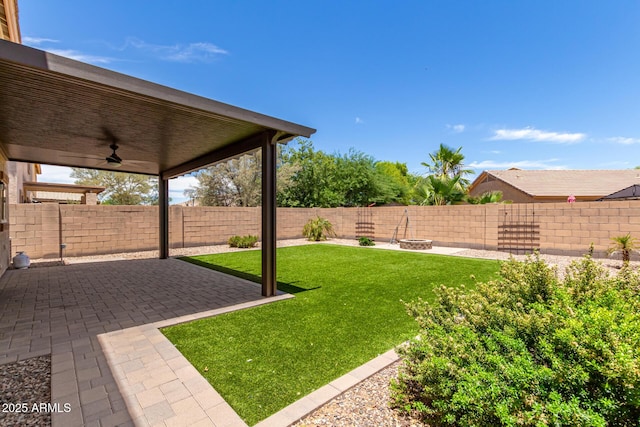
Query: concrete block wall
(35, 229)
(571, 228)
(88, 230)
(39, 229)
(213, 225)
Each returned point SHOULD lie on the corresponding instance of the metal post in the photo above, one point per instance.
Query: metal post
(269, 282)
(163, 207)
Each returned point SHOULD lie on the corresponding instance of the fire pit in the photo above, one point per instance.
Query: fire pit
(415, 244)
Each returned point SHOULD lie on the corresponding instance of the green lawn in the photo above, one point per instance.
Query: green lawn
(347, 310)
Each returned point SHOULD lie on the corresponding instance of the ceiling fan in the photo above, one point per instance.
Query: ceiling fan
(112, 160)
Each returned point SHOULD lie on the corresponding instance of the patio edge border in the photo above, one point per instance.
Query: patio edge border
(157, 382)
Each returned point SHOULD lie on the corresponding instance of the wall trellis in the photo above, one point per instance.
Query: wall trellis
(518, 231)
(365, 227)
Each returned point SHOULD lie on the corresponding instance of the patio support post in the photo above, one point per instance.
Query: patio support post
(269, 282)
(163, 207)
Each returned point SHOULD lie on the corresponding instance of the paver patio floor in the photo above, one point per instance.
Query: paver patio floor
(90, 318)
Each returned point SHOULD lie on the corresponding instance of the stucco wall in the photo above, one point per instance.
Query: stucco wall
(39, 229)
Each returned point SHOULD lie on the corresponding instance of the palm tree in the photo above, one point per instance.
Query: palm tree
(445, 162)
(625, 245)
(439, 191)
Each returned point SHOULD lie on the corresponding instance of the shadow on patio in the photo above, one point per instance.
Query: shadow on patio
(61, 311)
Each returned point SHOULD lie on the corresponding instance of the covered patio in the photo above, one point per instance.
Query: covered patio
(54, 110)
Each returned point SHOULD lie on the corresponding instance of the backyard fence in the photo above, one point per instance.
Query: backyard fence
(557, 228)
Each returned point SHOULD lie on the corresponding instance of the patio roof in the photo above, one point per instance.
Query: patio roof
(58, 111)
(54, 187)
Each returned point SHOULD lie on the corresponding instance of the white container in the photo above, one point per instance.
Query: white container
(21, 261)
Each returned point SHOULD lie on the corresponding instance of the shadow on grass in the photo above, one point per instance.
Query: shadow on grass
(282, 286)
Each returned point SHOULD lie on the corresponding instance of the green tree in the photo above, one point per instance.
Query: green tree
(394, 182)
(236, 182)
(313, 181)
(358, 180)
(121, 188)
(318, 179)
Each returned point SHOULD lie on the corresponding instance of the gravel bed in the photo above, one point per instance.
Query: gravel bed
(366, 404)
(24, 384)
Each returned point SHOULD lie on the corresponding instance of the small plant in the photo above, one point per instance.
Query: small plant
(248, 241)
(624, 245)
(365, 241)
(318, 229)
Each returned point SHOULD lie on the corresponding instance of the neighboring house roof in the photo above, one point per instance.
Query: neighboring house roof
(562, 183)
(629, 193)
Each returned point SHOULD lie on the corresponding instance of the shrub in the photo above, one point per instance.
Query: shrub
(242, 241)
(365, 241)
(318, 229)
(527, 350)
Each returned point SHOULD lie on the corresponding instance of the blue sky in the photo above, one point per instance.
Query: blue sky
(541, 84)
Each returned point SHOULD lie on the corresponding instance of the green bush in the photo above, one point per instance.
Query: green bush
(242, 241)
(365, 241)
(318, 229)
(527, 350)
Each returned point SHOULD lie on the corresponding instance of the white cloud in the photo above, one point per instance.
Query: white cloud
(532, 134)
(79, 56)
(192, 52)
(359, 121)
(37, 41)
(55, 174)
(457, 128)
(183, 183)
(522, 164)
(623, 140)
(178, 185)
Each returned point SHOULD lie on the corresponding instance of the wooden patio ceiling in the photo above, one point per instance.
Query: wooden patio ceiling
(55, 110)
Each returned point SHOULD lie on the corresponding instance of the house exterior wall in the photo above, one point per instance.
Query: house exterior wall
(5, 240)
(40, 229)
(19, 173)
(9, 27)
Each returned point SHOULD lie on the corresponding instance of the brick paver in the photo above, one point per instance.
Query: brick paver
(99, 321)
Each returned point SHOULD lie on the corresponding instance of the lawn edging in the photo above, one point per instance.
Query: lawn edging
(158, 383)
(314, 400)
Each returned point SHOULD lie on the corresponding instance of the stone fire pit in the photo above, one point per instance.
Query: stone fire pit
(415, 244)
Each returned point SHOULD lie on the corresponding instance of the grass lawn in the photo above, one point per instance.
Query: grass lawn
(348, 309)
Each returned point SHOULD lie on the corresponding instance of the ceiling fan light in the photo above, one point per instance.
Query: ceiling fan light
(114, 160)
